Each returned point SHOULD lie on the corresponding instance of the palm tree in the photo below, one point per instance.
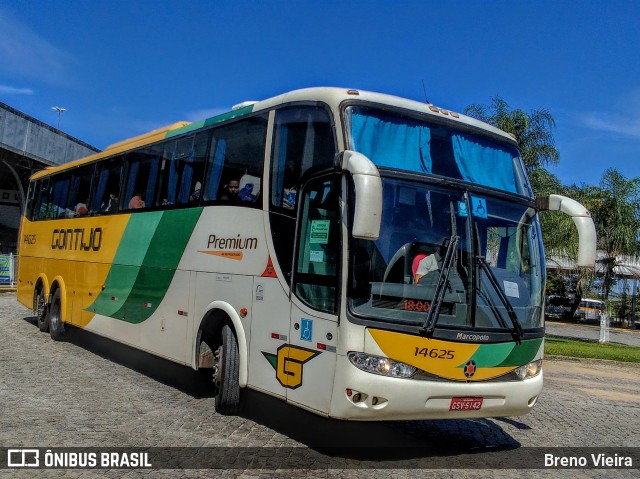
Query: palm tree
(615, 207)
(533, 131)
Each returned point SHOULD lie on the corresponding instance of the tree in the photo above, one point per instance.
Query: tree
(533, 131)
(615, 208)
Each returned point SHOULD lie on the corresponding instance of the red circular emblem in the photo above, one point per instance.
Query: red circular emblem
(470, 368)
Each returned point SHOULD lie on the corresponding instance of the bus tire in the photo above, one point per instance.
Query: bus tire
(54, 318)
(226, 372)
(40, 309)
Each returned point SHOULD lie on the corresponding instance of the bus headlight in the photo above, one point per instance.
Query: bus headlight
(529, 370)
(380, 365)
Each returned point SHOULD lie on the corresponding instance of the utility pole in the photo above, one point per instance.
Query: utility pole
(634, 302)
(59, 110)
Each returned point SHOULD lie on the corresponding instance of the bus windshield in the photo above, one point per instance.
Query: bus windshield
(492, 279)
(395, 140)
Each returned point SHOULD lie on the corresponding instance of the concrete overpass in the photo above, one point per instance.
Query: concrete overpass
(26, 146)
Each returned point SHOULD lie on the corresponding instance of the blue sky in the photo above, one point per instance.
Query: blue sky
(122, 68)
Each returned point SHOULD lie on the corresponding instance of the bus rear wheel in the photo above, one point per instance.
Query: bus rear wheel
(54, 318)
(226, 370)
(40, 310)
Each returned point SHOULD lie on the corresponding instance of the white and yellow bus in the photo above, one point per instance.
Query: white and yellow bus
(590, 310)
(356, 254)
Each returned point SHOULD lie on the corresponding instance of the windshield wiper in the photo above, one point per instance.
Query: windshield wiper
(516, 331)
(434, 311)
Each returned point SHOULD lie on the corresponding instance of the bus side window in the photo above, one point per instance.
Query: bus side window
(42, 196)
(318, 253)
(140, 179)
(60, 193)
(237, 154)
(303, 138)
(79, 194)
(106, 186)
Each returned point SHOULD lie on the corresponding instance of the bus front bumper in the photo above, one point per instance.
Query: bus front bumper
(359, 395)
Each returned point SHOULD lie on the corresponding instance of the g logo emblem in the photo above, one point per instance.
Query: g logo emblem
(288, 364)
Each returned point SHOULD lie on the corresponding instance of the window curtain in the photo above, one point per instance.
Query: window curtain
(281, 156)
(151, 185)
(481, 163)
(394, 145)
(187, 176)
(102, 186)
(131, 182)
(213, 181)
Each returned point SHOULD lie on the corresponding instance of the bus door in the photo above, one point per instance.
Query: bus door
(315, 293)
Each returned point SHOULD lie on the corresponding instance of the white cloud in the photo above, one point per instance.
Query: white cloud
(623, 120)
(24, 53)
(10, 90)
(613, 123)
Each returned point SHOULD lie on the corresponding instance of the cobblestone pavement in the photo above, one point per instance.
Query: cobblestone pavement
(90, 392)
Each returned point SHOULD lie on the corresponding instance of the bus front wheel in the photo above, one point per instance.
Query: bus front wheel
(40, 310)
(54, 318)
(226, 369)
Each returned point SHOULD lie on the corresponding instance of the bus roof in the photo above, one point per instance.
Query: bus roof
(333, 96)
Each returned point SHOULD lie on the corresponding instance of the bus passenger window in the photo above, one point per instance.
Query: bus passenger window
(141, 179)
(80, 190)
(106, 186)
(303, 139)
(60, 190)
(235, 164)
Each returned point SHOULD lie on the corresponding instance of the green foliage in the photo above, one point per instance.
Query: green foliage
(614, 204)
(588, 349)
(533, 131)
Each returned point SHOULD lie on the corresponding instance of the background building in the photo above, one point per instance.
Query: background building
(26, 146)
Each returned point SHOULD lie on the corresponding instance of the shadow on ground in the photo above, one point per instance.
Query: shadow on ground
(349, 440)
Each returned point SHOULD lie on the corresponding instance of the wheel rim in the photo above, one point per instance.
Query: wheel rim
(217, 370)
(39, 309)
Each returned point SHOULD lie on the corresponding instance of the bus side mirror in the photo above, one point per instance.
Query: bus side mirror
(368, 188)
(582, 219)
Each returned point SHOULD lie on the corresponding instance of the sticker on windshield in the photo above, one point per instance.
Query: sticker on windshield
(511, 289)
(462, 208)
(479, 206)
(316, 256)
(319, 232)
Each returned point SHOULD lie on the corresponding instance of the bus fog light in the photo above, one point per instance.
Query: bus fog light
(381, 366)
(529, 370)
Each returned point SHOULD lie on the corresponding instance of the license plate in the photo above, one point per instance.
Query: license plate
(465, 404)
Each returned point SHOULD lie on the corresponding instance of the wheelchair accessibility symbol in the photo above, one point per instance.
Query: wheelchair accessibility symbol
(479, 206)
(306, 330)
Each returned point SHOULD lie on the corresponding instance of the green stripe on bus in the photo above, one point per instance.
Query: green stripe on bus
(158, 267)
(136, 238)
(523, 353)
(120, 280)
(506, 354)
(152, 245)
(211, 121)
(490, 355)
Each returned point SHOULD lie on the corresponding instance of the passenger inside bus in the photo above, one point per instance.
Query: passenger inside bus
(81, 209)
(195, 196)
(136, 201)
(230, 191)
(111, 204)
(423, 264)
